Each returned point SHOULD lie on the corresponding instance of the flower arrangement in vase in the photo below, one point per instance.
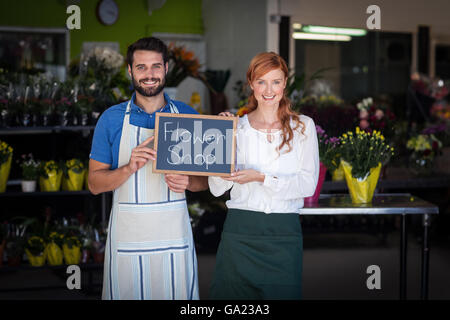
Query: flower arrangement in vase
(375, 116)
(424, 148)
(327, 153)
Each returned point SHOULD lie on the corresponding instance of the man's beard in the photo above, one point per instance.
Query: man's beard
(148, 92)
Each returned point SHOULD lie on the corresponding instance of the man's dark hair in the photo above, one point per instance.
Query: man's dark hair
(150, 44)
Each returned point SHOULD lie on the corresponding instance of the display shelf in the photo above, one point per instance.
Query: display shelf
(41, 193)
(43, 130)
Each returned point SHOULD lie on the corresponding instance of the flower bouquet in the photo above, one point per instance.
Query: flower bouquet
(182, 64)
(6, 152)
(53, 249)
(74, 174)
(375, 116)
(424, 148)
(50, 176)
(362, 155)
(30, 173)
(35, 250)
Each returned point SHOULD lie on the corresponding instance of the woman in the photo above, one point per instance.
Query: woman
(260, 253)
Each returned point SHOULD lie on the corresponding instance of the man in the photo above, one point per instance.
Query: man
(149, 252)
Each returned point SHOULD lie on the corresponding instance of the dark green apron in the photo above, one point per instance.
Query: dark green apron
(259, 257)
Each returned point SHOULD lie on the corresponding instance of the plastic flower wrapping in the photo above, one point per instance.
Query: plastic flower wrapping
(49, 167)
(35, 245)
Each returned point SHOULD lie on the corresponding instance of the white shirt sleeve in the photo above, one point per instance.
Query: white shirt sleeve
(303, 183)
(218, 186)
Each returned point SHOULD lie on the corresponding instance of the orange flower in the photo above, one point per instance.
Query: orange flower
(242, 111)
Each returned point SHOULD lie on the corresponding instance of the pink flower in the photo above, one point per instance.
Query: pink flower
(379, 114)
(363, 114)
(363, 124)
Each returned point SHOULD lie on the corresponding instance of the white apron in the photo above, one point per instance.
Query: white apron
(150, 252)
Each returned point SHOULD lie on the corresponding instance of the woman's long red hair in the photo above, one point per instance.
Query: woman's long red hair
(259, 66)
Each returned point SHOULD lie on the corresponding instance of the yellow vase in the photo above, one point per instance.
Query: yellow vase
(35, 261)
(361, 190)
(54, 254)
(74, 182)
(52, 183)
(5, 168)
(72, 255)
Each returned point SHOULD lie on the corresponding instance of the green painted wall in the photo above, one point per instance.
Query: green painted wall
(176, 16)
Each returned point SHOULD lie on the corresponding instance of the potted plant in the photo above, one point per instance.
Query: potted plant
(30, 173)
(50, 176)
(35, 251)
(327, 153)
(6, 152)
(15, 243)
(53, 249)
(362, 155)
(74, 174)
(72, 250)
(424, 148)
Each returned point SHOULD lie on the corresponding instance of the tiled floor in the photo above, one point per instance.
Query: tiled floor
(334, 267)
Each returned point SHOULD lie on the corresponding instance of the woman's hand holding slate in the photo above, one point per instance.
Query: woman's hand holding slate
(245, 176)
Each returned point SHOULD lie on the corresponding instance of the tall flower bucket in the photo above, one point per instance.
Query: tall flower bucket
(5, 168)
(361, 190)
(52, 183)
(315, 197)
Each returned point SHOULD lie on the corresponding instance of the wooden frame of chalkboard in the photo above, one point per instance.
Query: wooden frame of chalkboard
(162, 148)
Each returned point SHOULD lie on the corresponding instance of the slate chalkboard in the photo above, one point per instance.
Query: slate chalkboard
(194, 144)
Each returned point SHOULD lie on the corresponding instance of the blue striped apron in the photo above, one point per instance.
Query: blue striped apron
(150, 252)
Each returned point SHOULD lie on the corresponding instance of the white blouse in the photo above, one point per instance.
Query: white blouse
(289, 177)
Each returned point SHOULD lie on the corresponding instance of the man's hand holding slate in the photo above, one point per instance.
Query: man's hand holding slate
(141, 155)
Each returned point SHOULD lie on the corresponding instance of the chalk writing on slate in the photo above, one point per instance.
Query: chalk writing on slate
(194, 144)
